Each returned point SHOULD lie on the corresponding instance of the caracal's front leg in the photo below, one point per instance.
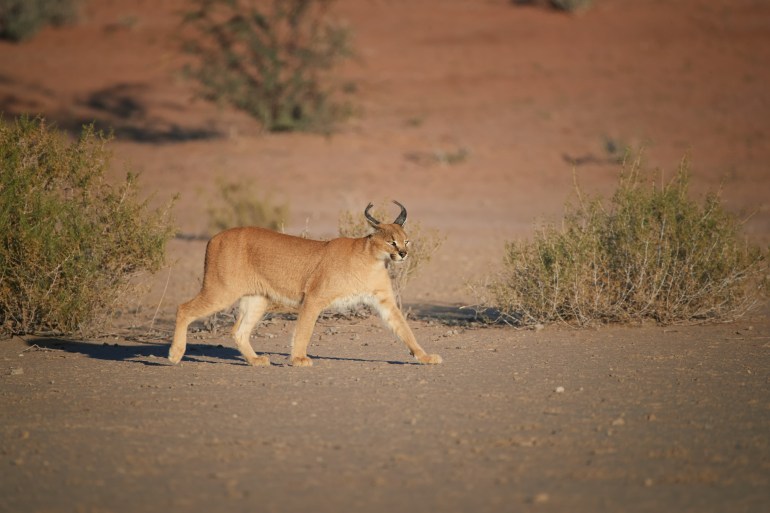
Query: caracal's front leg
(395, 320)
(308, 314)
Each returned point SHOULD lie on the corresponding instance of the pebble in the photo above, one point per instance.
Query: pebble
(559, 390)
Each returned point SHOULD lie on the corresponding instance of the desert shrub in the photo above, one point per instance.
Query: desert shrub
(69, 242)
(271, 61)
(241, 204)
(571, 5)
(438, 157)
(562, 5)
(21, 19)
(423, 243)
(652, 253)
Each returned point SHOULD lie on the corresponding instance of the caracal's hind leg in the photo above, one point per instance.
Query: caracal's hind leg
(392, 316)
(200, 306)
(252, 308)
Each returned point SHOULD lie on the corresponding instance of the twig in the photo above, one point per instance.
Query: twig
(157, 309)
(37, 348)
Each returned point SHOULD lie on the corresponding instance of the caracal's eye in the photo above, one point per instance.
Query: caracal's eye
(406, 243)
(393, 243)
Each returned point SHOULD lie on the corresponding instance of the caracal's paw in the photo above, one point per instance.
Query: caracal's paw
(429, 359)
(175, 355)
(301, 361)
(258, 361)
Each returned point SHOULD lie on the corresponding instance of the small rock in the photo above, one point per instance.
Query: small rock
(538, 327)
(541, 498)
(18, 371)
(620, 421)
(559, 390)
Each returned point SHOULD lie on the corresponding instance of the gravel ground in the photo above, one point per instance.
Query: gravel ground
(617, 419)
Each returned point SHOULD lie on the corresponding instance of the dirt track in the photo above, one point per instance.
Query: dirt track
(649, 419)
(622, 419)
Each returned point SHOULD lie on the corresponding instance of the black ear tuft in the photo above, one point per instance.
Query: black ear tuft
(401, 219)
(372, 221)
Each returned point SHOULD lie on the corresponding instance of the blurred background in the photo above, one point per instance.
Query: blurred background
(478, 115)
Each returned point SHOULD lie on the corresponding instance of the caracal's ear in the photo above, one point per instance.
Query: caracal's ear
(371, 220)
(401, 219)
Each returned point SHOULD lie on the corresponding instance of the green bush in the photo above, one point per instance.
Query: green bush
(21, 19)
(270, 62)
(652, 253)
(424, 242)
(241, 205)
(69, 242)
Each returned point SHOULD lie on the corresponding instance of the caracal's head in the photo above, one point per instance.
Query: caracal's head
(390, 240)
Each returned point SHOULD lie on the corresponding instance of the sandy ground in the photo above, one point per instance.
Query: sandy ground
(617, 419)
(646, 419)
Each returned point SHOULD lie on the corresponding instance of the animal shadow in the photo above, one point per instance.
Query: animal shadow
(155, 353)
(151, 354)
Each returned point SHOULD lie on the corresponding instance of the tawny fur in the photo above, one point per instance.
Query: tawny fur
(259, 267)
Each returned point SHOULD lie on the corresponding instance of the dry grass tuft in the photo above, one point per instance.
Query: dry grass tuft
(241, 204)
